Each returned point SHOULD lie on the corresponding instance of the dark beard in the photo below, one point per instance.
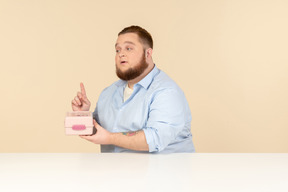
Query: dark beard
(132, 73)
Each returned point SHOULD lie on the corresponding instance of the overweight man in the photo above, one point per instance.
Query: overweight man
(144, 111)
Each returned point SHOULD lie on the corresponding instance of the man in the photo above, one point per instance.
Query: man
(145, 111)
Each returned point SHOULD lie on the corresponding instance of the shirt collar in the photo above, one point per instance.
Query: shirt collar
(145, 82)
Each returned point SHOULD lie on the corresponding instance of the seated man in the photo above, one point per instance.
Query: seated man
(145, 111)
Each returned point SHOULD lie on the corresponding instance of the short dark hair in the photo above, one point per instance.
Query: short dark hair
(143, 35)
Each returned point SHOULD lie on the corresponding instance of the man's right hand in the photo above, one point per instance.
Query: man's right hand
(81, 102)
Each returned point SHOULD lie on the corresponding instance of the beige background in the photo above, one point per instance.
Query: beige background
(229, 57)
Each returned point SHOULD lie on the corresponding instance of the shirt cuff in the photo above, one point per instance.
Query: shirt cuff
(150, 139)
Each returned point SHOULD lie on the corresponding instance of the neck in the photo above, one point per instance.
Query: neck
(132, 82)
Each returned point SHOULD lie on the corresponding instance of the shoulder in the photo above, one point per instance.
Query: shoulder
(163, 83)
(164, 91)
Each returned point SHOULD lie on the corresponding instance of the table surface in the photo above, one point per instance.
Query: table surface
(143, 172)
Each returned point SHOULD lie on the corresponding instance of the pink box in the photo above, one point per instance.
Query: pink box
(79, 123)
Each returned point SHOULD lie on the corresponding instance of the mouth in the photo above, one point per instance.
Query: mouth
(123, 62)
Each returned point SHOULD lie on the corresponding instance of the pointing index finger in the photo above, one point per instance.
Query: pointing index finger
(82, 89)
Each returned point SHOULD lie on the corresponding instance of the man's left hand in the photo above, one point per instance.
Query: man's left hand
(102, 136)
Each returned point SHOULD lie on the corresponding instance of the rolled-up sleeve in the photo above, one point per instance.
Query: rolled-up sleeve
(166, 119)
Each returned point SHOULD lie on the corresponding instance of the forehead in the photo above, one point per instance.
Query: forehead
(128, 38)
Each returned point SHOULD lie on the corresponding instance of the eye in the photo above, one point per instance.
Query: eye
(117, 50)
(129, 49)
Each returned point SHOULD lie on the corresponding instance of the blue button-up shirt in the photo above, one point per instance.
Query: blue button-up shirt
(157, 106)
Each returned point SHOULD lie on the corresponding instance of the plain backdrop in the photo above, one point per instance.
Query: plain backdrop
(229, 57)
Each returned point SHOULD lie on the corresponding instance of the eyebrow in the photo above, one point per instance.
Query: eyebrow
(127, 42)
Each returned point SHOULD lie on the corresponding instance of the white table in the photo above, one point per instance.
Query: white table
(143, 172)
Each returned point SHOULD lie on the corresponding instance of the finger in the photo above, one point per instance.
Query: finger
(83, 91)
(77, 100)
(82, 136)
(95, 123)
(80, 96)
(83, 98)
(74, 103)
(86, 137)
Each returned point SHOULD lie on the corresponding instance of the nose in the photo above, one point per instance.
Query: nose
(121, 54)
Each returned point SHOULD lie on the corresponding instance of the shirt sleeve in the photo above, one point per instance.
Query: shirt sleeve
(166, 119)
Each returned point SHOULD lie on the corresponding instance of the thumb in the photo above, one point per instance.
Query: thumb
(96, 125)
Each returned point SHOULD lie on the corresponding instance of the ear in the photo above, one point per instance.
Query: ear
(148, 52)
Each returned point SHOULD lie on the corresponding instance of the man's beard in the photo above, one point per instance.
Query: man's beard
(132, 73)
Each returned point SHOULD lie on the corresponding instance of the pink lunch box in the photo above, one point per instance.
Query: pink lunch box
(79, 123)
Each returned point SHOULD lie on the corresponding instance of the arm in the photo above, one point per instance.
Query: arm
(131, 140)
(168, 116)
